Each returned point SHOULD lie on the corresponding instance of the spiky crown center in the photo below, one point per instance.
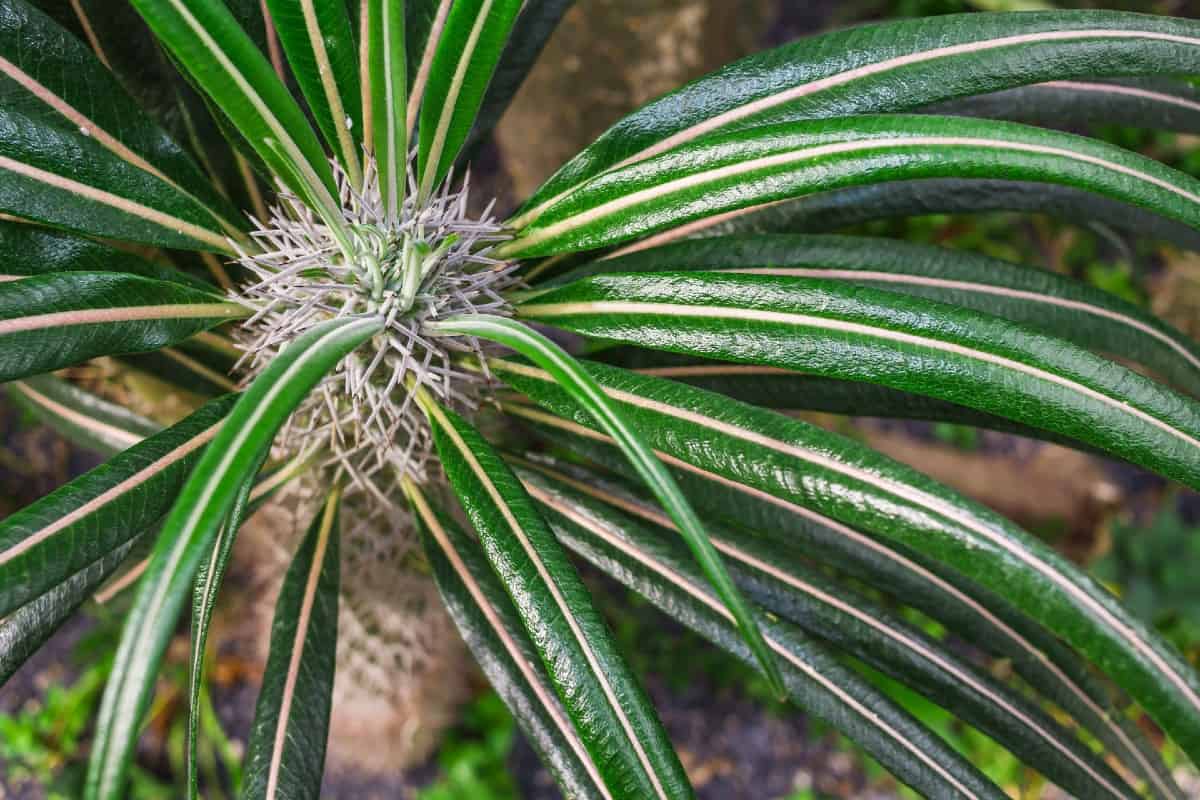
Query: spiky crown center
(426, 260)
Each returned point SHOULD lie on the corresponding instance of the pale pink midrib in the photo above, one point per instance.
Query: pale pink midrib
(116, 201)
(813, 87)
(99, 316)
(789, 157)
(298, 645)
(564, 608)
(804, 320)
(548, 702)
(719, 608)
(418, 89)
(109, 495)
(1116, 88)
(968, 286)
(111, 432)
(862, 541)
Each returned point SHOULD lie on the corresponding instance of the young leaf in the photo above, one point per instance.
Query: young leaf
(467, 53)
(52, 321)
(187, 535)
(727, 172)
(798, 468)
(321, 51)
(286, 754)
(388, 80)
(612, 714)
(491, 627)
(907, 343)
(588, 394)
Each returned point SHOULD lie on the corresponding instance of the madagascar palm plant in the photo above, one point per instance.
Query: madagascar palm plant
(628, 336)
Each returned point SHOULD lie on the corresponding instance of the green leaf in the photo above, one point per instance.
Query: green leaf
(206, 39)
(56, 320)
(841, 208)
(611, 712)
(1062, 307)
(25, 630)
(802, 470)
(467, 53)
(190, 528)
(1149, 103)
(841, 616)
(907, 343)
(727, 172)
(815, 680)
(967, 610)
(588, 394)
(387, 67)
(286, 754)
(78, 523)
(80, 416)
(204, 599)
(424, 21)
(31, 250)
(491, 627)
(534, 26)
(885, 68)
(61, 84)
(322, 53)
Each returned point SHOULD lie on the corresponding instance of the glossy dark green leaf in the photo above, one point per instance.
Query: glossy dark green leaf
(286, 754)
(727, 172)
(576, 382)
(536, 23)
(31, 250)
(78, 523)
(614, 718)
(491, 627)
(80, 416)
(467, 53)
(1153, 103)
(907, 343)
(1068, 309)
(815, 680)
(207, 40)
(805, 471)
(203, 504)
(29, 627)
(56, 320)
(387, 66)
(850, 621)
(54, 79)
(890, 67)
(319, 42)
(424, 21)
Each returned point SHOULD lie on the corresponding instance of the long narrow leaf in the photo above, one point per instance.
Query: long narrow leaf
(588, 394)
(491, 627)
(611, 712)
(80, 416)
(466, 55)
(190, 528)
(907, 343)
(387, 70)
(286, 754)
(52, 321)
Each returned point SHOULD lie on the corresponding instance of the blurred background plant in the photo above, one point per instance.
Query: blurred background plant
(607, 57)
